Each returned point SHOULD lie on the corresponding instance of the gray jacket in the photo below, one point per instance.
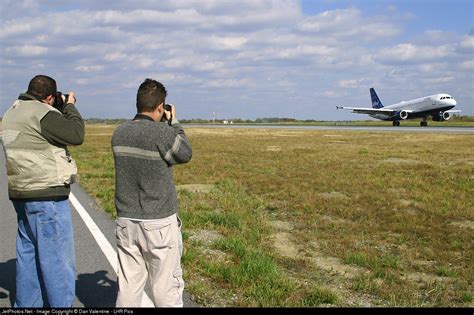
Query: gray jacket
(144, 151)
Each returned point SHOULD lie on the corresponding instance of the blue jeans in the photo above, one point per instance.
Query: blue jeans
(45, 261)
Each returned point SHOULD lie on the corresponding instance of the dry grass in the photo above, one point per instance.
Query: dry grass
(316, 218)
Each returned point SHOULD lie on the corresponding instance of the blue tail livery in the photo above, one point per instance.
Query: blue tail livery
(376, 103)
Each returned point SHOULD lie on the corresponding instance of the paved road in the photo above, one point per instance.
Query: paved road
(96, 278)
(468, 130)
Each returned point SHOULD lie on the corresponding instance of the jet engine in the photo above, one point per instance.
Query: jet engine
(400, 115)
(442, 116)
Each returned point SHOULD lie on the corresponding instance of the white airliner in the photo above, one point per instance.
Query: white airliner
(437, 106)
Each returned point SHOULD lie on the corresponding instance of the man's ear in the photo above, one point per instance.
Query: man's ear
(160, 108)
(49, 99)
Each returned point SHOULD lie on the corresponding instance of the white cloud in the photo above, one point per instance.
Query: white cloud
(209, 51)
(411, 53)
(352, 84)
(91, 68)
(468, 65)
(227, 83)
(228, 42)
(468, 43)
(347, 23)
(27, 50)
(115, 56)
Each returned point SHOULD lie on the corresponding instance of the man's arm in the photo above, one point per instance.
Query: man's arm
(175, 149)
(65, 129)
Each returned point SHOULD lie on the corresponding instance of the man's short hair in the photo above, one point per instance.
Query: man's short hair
(41, 86)
(151, 94)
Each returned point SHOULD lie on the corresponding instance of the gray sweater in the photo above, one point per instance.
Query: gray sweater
(144, 151)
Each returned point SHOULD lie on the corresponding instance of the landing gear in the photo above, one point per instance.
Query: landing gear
(396, 123)
(424, 123)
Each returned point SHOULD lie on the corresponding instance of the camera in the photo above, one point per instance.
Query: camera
(59, 104)
(167, 108)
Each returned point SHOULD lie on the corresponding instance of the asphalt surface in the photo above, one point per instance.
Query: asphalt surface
(96, 285)
(468, 130)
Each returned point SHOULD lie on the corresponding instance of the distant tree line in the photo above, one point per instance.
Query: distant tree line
(271, 120)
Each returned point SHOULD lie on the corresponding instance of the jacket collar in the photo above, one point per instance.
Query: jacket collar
(27, 97)
(142, 117)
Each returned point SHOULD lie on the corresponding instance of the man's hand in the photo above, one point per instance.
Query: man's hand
(71, 99)
(172, 114)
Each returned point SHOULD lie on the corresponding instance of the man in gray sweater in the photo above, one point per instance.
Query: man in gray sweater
(148, 233)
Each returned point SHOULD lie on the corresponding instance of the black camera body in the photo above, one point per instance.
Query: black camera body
(59, 104)
(167, 108)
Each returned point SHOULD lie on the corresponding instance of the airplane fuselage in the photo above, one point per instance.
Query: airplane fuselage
(420, 108)
(438, 106)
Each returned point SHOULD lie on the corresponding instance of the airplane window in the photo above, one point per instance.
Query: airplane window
(442, 97)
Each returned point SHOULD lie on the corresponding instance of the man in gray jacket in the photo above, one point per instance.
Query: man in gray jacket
(148, 233)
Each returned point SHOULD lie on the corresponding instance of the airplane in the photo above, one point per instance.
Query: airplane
(438, 106)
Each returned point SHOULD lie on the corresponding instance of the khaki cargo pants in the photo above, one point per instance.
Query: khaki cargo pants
(149, 249)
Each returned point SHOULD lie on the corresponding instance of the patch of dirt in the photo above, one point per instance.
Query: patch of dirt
(401, 161)
(215, 255)
(335, 266)
(273, 148)
(195, 188)
(466, 224)
(467, 161)
(284, 245)
(401, 191)
(343, 273)
(207, 237)
(335, 220)
(423, 277)
(282, 225)
(333, 194)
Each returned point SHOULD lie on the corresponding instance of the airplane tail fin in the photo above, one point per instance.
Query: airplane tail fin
(376, 103)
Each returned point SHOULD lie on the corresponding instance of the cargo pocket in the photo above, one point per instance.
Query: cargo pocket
(121, 233)
(159, 235)
(178, 278)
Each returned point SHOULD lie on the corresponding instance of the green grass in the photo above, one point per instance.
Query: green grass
(307, 218)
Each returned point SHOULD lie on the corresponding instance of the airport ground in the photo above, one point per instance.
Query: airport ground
(96, 262)
(295, 217)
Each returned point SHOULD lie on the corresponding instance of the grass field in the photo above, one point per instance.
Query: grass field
(317, 218)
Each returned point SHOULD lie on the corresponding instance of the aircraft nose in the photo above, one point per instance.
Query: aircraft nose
(454, 102)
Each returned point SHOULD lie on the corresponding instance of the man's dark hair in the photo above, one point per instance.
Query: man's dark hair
(41, 86)
(151, 93)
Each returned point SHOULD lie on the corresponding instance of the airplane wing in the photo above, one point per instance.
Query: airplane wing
(454, 111)
(366, 110)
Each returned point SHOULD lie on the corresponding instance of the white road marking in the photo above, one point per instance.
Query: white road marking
(102, 241)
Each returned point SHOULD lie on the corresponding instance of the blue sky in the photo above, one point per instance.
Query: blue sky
(240, 59)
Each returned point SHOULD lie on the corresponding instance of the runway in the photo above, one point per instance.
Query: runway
(462, 130)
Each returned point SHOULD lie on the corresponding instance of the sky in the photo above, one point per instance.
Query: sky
(245, 59)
